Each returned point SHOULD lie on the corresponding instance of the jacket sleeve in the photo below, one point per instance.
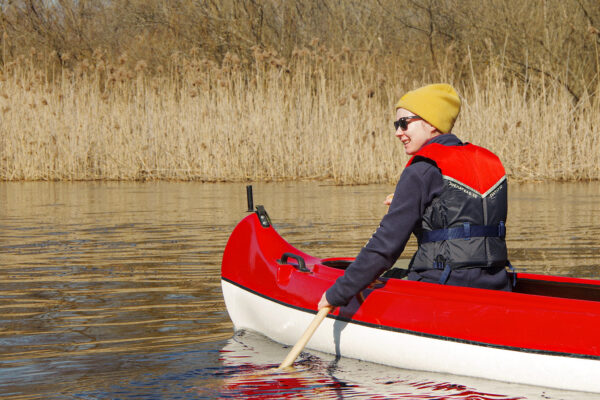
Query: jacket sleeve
(416, 187)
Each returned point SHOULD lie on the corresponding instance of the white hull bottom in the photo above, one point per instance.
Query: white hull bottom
(285, 325)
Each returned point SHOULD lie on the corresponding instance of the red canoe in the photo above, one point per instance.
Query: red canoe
(544, 333)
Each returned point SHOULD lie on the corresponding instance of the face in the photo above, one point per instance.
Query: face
(417, 133)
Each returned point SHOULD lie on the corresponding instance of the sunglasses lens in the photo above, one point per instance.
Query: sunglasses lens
(401, 123)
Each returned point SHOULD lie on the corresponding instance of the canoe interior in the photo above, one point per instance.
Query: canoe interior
(340, 264)
(566, 290)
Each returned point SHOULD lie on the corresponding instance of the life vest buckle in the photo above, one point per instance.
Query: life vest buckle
(439, 262)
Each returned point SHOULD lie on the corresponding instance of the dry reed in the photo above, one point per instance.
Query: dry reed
(319, 114)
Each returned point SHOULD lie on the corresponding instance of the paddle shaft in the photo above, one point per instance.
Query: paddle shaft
(293, 354)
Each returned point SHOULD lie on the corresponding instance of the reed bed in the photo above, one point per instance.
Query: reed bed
(319, 114)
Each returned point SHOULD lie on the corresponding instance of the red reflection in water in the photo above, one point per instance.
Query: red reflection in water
(281, 387)
(265, 382)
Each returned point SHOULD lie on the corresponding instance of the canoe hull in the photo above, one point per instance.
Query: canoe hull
(284, 324)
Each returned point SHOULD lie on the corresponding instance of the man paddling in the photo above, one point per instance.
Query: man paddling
(451, 195)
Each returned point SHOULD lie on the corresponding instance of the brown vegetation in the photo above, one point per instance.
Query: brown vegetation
(426, 38)
(236, 90)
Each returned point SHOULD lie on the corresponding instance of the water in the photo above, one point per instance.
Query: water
(112, 290)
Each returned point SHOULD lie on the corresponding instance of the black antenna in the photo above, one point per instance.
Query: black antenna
(250, 199)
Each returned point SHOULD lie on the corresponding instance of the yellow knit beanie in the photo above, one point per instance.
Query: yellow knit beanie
(437, 104)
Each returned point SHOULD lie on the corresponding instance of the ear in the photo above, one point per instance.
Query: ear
(433, 131)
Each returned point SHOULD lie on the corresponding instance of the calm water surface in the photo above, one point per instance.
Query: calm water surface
(112, 290)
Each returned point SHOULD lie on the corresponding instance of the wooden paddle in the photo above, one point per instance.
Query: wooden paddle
(293, 354)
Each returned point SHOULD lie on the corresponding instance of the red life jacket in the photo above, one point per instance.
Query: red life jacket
(464, 226)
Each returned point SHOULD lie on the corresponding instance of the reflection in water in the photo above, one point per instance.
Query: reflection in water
(324, 376)
(112, 290)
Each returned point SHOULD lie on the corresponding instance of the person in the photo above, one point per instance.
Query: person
(451, 195)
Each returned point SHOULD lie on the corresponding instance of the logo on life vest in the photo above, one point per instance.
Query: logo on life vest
(495, 191)
(460, 187)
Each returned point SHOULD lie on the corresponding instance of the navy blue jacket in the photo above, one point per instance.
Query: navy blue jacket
(418, 185)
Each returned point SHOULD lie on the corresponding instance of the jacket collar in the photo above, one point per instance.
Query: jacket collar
(446, 139)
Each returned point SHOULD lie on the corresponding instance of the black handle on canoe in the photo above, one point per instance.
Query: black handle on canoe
(301, 263)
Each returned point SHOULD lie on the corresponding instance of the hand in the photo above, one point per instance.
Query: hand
(324, 303)
(388, 199)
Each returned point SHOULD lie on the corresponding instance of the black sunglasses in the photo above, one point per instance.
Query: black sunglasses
(403, 122)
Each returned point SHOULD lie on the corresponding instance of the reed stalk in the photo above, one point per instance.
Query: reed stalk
(319, 114)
